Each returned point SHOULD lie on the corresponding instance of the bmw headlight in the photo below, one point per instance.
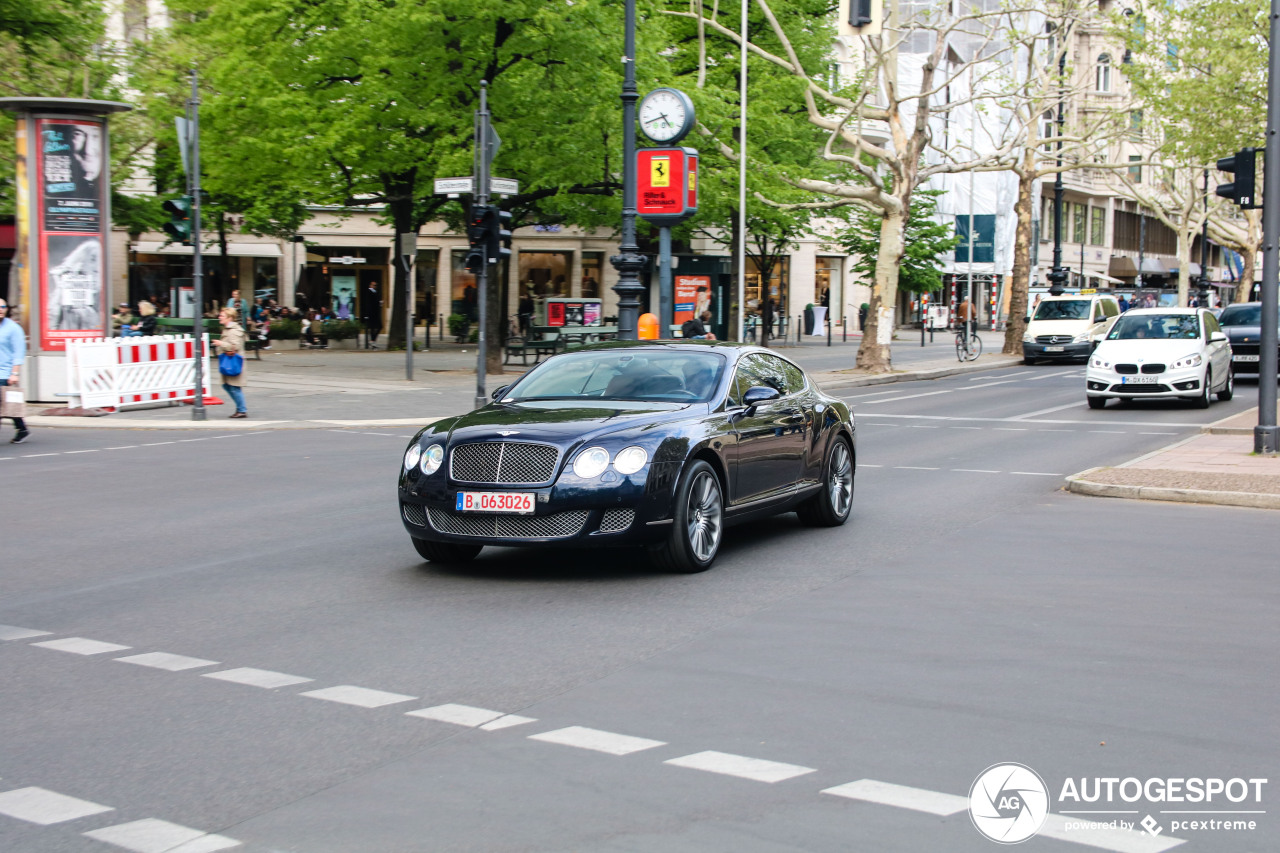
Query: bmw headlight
(432, 458)
(1193, 360)
(591, 462)
(412, 455)
(1097, 362)
(631, 459)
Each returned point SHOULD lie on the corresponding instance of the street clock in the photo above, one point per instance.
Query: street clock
(666, 115)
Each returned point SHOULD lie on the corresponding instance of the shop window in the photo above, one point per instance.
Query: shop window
(829, 280)
(592, 274)
(544, 274)
(462, 293)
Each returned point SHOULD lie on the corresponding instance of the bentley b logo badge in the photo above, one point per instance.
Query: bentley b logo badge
(506, 432)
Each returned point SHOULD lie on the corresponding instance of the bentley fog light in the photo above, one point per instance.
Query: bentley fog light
(591, 462)
(432, 458)
(631, 460)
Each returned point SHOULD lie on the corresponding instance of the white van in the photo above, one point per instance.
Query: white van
(1068, 326)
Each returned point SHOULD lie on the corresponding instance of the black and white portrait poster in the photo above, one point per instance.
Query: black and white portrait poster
(71, 183)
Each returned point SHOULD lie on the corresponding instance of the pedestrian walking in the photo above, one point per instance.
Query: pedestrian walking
(13, 355)
(231, 345)
(371, 316)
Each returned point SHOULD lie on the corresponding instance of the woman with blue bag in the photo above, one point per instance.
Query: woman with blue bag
(231, 358)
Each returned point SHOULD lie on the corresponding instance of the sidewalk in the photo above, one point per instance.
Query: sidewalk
(1216, 467)
(292, 388)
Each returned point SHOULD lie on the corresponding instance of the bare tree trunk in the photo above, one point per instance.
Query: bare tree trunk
(1020, 279)
(1184, 268)
(495, 311)
(874, 354)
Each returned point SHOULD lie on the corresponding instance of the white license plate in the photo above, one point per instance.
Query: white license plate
(1244, 358)
(1139, 380)
(1055, 349)
(520, 503)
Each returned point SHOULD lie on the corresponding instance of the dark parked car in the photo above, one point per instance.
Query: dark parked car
(1242, 321)
(661, 445)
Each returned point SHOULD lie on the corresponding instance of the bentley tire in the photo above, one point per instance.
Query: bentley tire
(698, 523)
(445, 552)
(831, 505)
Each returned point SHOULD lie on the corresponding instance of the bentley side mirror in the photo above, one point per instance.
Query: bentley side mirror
(756, 395)
(498, 392)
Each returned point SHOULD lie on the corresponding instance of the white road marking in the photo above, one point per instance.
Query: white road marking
(1109, 431)
(1075, 372)
(924, 426)
(1054, 421)
(1063, 430)
(37, 455)
(1157, 433)
(909, 397)
(158, 443)
(507, 722)
(257, 677)
(459, 715)
(585, 738)
(913, 468)
(36, 805)
(159, 836)
(975, 470)
(361, 696)
(1118, 840)
(988, 385)
(69, 452)
(164, 660)
(1050, 411)
(387, 434)
(13, 632)
(81, 646)
(1037, 473)
(888, 794)
(954, 427)
(125, 447)
(1010, 429)
(727, 764)
(184, 440)
(865, 465)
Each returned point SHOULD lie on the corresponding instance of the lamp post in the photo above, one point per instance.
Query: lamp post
(629, 261)
(1058, 275)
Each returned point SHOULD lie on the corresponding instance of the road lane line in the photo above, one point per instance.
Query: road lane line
(914, 468)
(264, 678)
(958, 418)
(908, 397)
(888, 794)
(37, 805)
(151, 835)
(166, 661)
(507, 722)
(600, 741)
(37, 455)
(458, 715)
(1037, 474)
(866, 465)
(81, 451)
(362, 697)
(80, 646)
(1059, 373)
(1048, 411)
(13, 632)
(975, 470)
(1009, 429)
(727, 764)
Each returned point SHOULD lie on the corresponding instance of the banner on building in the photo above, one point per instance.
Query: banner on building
(984, 238)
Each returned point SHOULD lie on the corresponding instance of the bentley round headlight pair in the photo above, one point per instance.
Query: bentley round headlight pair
(412, 455)
(593, 461)
(432, 458)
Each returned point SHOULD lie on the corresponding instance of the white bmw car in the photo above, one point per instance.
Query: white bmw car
(1161, 352)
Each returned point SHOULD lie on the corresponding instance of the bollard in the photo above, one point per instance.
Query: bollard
(828, 330)
(439, 328)
(844, 331)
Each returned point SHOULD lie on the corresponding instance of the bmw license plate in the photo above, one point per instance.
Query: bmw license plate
(1055, 349)
(1244, 358)
(1138, 380)
(520, 503)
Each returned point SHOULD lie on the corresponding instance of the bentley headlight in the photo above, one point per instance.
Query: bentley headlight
(1193, 360)
(432, 458)
(631, 459)
(591, 462)
(412, 455)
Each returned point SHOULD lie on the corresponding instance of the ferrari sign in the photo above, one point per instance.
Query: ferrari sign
(667, 187)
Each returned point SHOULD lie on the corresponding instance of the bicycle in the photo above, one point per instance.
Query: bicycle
(968, 349)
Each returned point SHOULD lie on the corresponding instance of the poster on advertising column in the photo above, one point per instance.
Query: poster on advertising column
(692, 297)
(70, 162)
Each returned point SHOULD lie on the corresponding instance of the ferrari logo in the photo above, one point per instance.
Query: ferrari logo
(660, 172)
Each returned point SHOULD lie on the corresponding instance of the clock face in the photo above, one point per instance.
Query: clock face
(665, 115)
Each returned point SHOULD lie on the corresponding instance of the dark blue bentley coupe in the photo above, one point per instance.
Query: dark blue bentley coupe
(661, 445)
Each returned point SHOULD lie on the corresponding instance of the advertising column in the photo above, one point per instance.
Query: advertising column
(64, 223)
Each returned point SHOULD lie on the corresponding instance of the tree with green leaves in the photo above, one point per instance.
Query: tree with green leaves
(362, 103)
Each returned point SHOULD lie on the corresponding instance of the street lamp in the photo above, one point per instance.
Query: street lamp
(628, 262)
(1058, 275)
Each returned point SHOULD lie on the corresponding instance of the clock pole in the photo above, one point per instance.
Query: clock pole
(629, 261)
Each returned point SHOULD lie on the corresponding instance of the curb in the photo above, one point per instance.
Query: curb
(1078, 484)
(835, 380)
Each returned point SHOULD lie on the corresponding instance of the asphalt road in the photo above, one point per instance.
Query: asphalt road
(970, 613)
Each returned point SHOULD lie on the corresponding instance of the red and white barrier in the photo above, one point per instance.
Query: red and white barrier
(111, 373)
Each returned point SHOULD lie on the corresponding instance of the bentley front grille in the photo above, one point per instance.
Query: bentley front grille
(413, 514)
(506, 462)
(555, 526)
(616, 520)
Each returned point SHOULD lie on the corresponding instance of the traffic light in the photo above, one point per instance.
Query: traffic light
(499, 235)
(478, 236)
(179, 225)
(1243, 167)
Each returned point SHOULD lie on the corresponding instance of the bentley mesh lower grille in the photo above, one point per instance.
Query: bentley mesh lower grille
(414, 514)
(555, 526)
(617, 520)
(510, 462)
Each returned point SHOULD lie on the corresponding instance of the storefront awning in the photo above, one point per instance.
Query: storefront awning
(1122, 266)
(1102, 277)
(240, 250)
(1153, 266)
(1192, 266)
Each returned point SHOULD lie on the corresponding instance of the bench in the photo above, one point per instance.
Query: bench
(547, 342)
